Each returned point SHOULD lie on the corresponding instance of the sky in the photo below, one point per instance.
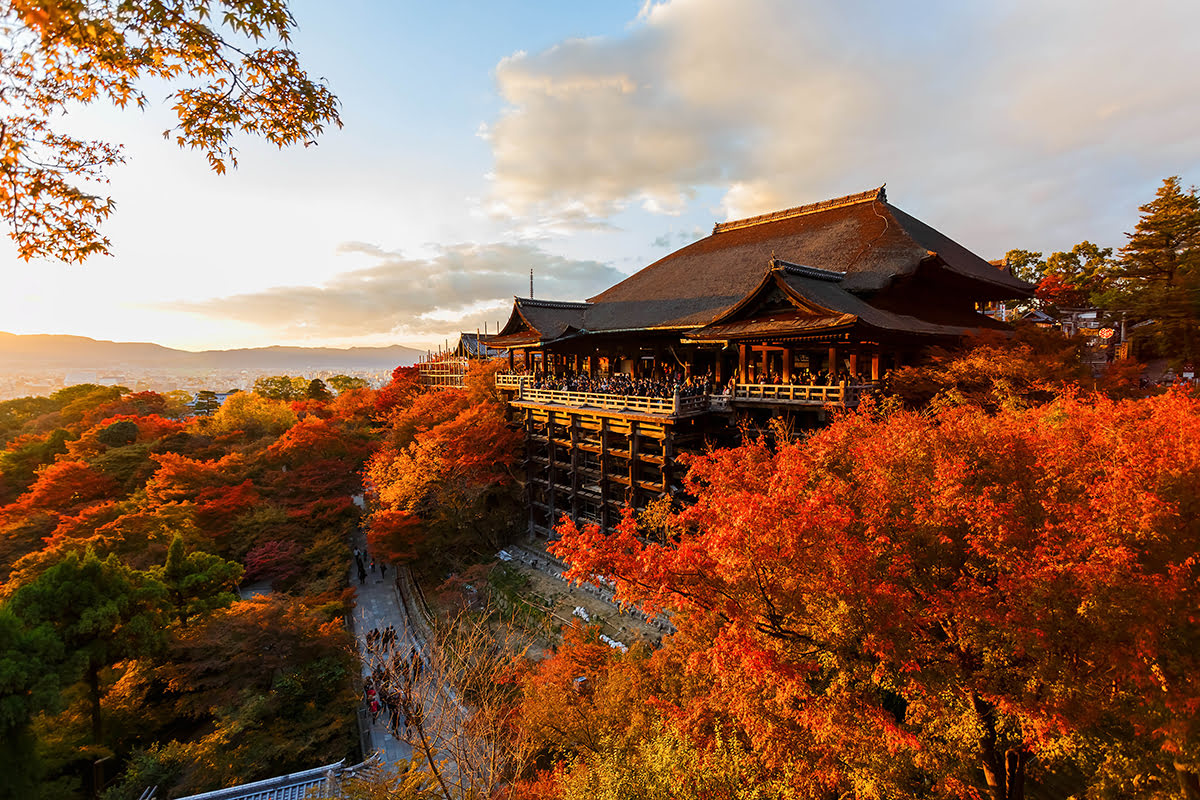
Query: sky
(587, 140)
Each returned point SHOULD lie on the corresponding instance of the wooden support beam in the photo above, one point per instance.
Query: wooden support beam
(633, 463)
(551, 474)
(853, 364)
(576, 463)
(605, 465)
(875, 365)
(787, 365)
(743, 365)
(833, 360)
(762, 377)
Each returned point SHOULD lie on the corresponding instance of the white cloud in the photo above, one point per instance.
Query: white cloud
(459, 288)
(971, 107)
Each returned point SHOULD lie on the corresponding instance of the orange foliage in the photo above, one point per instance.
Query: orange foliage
(891, 583)
(394, 536)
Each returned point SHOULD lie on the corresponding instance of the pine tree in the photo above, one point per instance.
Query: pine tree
(1159, 271)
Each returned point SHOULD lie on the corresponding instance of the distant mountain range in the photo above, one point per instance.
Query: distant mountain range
(47, 351)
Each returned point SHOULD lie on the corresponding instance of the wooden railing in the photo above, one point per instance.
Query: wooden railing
(510, 380)
(607, 402)
(840, 394)
(788, 393)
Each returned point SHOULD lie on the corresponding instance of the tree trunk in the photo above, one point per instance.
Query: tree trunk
(93, 678)
(1189, 781)
(1014, 773)
(993, 770)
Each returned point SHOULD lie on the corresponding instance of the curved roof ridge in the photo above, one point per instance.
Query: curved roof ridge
(870, 195)
(529, 301)
(806, 271)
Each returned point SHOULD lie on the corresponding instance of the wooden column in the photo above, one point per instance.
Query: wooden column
(511, 363)
(853, 365)
(743, 365)
(578, 363)
(668, 447)
(633, 463)
(525, 359)
(717, 367)
(875, 366)
(550, 474)
(787, 365)
(529, 445)
(605, 463)
(766, 372)
(833, 360)
(592, 365)
(575, 459)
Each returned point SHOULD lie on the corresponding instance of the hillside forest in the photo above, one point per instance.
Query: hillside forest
(983, 583)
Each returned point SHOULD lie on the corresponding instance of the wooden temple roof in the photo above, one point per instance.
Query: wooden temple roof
(868, 243)
(533, 321)
(794, 298)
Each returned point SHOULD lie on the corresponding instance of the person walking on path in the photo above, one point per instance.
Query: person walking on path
(362, 575)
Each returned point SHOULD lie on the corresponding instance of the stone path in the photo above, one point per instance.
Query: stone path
(378, 605)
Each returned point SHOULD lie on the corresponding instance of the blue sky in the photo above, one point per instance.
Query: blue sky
(586, 140)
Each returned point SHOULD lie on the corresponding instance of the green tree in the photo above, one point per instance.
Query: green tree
(344, 383)
(1026, 264)
(1165, 245)
(1158, 272)
(281, 387)
(1077, 277)
(29, 683)
(317, 390)
(229, 59)
(252, 414)
(100, 612)
(197, 582)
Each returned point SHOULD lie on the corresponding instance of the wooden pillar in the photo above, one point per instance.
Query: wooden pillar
(529, 447)
(833, 360)
(853, 365)
(511, 363)
(875, 365)
(668, 446)
(743, 365)
(717, 367)
(766, 372)
(579, 363)
(787, 365)
(550, 474)
(605, 463)
(575, 465)
(592, 365)
(525, 359)
(633, 463)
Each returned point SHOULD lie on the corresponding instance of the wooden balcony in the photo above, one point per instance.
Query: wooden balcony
(752, 393)
(773, 393)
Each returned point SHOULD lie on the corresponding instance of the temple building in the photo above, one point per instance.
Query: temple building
(789, 313)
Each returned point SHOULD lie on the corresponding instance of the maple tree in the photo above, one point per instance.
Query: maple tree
(445, 459)
(229, 60)
(939, 604)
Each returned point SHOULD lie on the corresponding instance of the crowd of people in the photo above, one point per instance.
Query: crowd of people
(388, 689)
(627, 385)
(669, 386)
